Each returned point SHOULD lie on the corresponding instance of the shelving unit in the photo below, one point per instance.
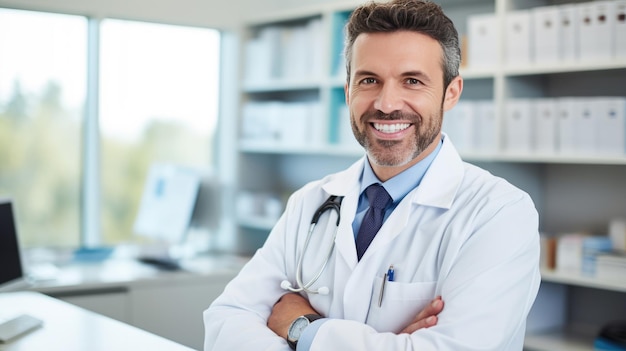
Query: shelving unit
(583, 281)
(587, 301)
(572, 191)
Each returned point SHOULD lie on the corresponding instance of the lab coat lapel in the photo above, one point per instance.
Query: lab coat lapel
(442, 180)
(356, 276)
(346, 184)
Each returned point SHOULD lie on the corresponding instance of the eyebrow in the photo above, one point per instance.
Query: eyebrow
(361, 73)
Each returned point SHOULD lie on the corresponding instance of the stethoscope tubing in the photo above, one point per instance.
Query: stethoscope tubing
(320, 270)
(331, 205)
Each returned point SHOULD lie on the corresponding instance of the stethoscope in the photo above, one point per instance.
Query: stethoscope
(332, 203)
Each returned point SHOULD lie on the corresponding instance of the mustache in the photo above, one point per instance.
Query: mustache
(393, 116)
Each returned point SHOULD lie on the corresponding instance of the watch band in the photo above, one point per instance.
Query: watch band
(310, 318)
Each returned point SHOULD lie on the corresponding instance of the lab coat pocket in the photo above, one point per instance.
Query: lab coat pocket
(393, 307)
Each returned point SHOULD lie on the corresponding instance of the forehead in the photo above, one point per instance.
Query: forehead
(402, 49)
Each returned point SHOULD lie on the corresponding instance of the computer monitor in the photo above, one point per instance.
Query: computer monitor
(167, 203)
(12, 276)
(165, 212)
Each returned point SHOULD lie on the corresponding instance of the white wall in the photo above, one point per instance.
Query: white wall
(204, 13)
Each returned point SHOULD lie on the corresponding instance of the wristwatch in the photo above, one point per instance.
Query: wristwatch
(297, 326)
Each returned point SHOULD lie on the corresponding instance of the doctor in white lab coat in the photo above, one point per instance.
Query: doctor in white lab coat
(461, 234)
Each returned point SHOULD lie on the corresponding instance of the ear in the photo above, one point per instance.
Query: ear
(453, 93)
(346, 93)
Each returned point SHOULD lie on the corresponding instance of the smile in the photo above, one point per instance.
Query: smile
(391, 128)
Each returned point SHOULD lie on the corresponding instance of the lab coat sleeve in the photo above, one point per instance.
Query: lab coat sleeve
(237, 319)
(488, 291)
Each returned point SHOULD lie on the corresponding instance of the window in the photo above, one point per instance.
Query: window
(42, 95)
(157, 103)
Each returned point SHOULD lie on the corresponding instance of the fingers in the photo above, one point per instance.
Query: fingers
(423, 323)
(432, 309)
(427, 317)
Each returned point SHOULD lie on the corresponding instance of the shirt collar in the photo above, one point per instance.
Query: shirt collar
(403, 183)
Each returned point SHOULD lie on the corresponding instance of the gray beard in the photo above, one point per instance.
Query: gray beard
(423, 138)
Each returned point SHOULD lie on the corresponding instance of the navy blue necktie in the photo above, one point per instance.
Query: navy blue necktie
(379, 199)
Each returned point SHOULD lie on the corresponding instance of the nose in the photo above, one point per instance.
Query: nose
(389, 99)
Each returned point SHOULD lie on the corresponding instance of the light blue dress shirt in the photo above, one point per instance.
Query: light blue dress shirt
(397, 187)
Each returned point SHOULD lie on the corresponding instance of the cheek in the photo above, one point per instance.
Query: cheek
(358, 104)
(426, 104)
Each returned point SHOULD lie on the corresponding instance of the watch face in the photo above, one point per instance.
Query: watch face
(296, 328)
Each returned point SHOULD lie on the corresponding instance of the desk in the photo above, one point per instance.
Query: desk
(165, 303)
(67, 327)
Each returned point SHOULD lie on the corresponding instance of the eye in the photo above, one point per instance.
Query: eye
(368, 80)
(413, 81)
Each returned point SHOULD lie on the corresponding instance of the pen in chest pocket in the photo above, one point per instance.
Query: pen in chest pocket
(389, 276)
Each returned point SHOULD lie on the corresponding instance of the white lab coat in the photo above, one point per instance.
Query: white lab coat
(463, 234)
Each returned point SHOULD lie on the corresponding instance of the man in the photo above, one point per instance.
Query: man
(450, 230)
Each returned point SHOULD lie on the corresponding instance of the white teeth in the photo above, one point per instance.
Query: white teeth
(391, 128)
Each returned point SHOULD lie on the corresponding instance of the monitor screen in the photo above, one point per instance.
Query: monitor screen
(167, 203)
(11, 272)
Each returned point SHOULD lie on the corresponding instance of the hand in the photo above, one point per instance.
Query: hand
(286, 310)
(426, 318)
